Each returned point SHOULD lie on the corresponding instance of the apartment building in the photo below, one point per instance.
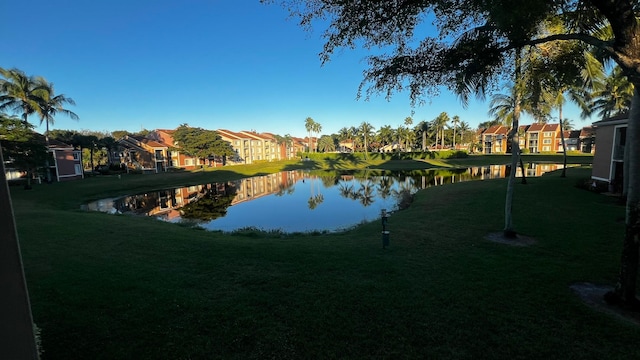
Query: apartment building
(542, 138)
(174, 158)
(534, 138)
(140, 153)
(572, 140)
(158, 151)
(242, 144)
(494, 140)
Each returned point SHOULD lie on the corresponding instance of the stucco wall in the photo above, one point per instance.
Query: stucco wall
(602, 157)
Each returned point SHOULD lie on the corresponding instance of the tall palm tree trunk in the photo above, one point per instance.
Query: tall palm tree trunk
(46, 161)
(454, 136)
(564, 145)
(366, 147)
(508, 231)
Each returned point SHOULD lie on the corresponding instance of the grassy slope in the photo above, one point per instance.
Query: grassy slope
(120, 287)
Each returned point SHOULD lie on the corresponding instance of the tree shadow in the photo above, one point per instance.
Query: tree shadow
(342, 161)
(593, 295)
(516, 240)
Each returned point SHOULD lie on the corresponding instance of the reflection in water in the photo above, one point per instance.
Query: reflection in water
(296, 200)
(212, 204)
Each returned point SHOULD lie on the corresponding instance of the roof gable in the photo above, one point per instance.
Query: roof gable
(535, 127)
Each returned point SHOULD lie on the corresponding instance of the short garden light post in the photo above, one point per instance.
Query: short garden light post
(385, 232)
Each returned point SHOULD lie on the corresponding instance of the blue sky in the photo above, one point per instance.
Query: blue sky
(234, 64)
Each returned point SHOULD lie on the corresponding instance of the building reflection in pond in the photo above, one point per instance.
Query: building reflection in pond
(292, 201)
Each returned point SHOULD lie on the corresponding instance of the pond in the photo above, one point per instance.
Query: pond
(297, 201)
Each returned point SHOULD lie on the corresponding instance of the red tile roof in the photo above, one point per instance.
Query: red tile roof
(587, 131)
(153, 143)
(168, 131)
(535, 127)
(497, 129)
(230, 134)
(255, 135)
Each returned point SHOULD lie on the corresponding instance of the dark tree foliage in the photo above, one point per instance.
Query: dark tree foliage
(65, 136)
(473, 49)
(119, 134)
(22, 147)
(201, 143)
(211, 205)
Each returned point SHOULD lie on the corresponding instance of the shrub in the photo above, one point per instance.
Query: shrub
(451, 154)
(593, 185)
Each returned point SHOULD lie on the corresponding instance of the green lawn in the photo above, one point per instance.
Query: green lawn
(119, 287)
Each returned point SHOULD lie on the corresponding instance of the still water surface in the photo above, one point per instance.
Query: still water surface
(296, 201)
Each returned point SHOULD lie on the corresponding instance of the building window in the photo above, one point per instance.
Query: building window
(548, 134)
(77, 168)
(546, 141)
(546, 148)
(76, 156)
(188, 162)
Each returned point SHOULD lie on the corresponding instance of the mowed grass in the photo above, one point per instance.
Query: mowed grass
(120, 287)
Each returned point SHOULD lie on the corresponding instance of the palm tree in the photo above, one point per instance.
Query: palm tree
(19, 92)
(288, 143)
(343, 135)
(408, 121)
(316, 128)
(501, 108)
(612, 95)
(308, 125)
(455, 121)
(558, 102)
(50, 105)
(424, 128)
(385, 135)
(440, 122)
(354, 135)
(365, 129)
(568, 124)
(410, 139)
(401, 135)
(509, 231)
(464, 129)
(326, 143)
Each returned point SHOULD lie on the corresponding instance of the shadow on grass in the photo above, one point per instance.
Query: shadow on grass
(397, 165)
